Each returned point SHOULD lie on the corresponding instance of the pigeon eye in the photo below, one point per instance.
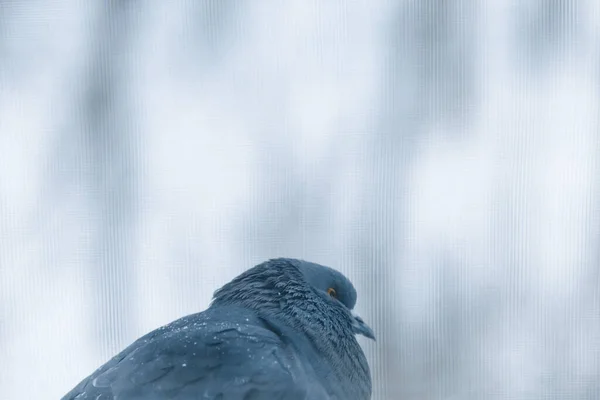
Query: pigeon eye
(331, 291)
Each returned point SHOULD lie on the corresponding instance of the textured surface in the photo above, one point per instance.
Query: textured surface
(273, 333)
(443, 154)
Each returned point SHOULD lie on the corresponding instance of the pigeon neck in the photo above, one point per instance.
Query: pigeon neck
(263, 289)
(281, 297)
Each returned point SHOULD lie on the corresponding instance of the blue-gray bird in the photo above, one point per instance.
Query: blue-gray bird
(281, 330)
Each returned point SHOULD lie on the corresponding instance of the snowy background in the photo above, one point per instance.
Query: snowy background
(445, 155)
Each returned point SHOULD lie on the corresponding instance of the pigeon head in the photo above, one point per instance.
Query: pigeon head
(295, 287)
(329, 282)
(336, 287)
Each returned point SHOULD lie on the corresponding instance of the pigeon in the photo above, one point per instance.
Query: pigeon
(283, 329)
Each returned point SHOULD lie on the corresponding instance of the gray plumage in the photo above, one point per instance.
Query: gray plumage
(281, 330)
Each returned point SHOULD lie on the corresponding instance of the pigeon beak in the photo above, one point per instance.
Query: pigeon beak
(360, 328)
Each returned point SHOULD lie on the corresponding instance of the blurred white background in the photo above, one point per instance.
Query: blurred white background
(443, 154)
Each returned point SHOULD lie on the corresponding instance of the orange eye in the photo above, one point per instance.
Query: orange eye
(331, 291)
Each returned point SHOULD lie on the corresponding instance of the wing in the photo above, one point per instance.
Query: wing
(203, 356)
